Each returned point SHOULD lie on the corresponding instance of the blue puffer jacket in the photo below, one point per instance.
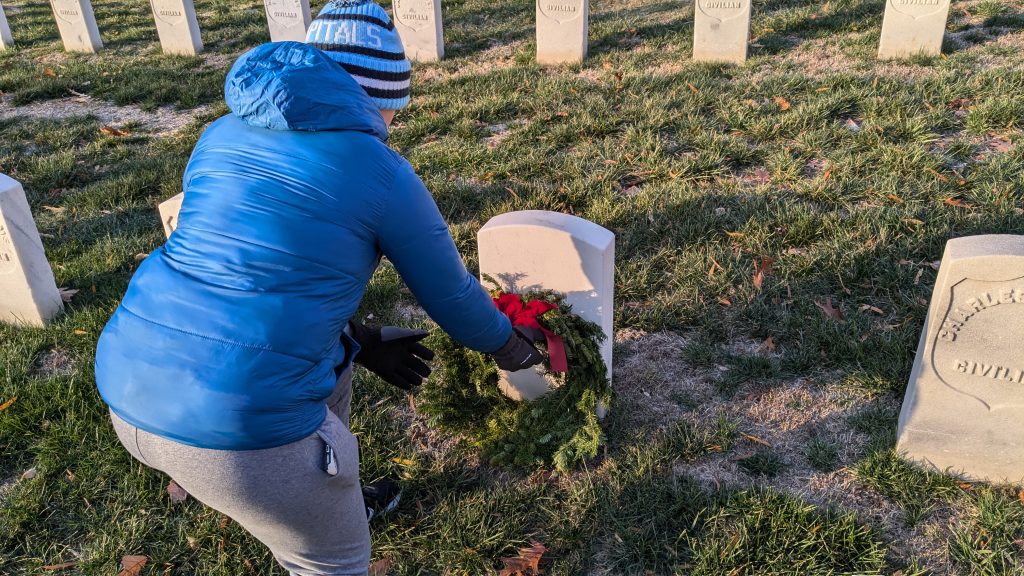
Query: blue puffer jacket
(229, 334)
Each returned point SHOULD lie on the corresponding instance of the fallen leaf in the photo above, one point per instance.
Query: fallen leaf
(829, 310)
(852, 125)
(783, 103)
(693, 88)
(951, 201)
(176, 493)
(66, 294)
(759, 175)
(54, 209)
(928, 106)
(872, 308)
(937, 174)
(7, 404)
(526, 564)
(80, 332)
(823, 88)
(61, 566)
(1000, 144)
(29, 474)
(380, 567)
(895, 198)
(111, 131)
(917, 277)
(751, 103)
(725, 301)
(49, 71)
(403, 461)
(132, 565)
(762, 269)
(1020, 496)
(757, 440)
(769, 344)
(734, 234)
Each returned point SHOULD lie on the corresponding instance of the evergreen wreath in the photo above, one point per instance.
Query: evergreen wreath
(559, 429)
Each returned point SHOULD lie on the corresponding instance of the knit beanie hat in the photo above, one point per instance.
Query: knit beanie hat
(359, 35)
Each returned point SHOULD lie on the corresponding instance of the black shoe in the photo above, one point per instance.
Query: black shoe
(381, 497)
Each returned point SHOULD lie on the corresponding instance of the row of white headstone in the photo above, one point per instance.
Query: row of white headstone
(419, 23)
(721, 27)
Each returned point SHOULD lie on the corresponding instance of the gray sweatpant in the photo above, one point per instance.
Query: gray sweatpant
(314, 524)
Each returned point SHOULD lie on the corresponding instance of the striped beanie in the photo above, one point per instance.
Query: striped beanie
(359, 35)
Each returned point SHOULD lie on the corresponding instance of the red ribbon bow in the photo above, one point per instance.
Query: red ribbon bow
(525, 314)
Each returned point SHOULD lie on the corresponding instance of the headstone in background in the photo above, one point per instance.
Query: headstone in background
(28, 293)
(177, 26)
(419, 25)
(964, 406)
(562, 29)
(77, 25)
(534, 249)
(912, 27)
(287, 19)
(6, 40)
(169, 210)
(721, 29)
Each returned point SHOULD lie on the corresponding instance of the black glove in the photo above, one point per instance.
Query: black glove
(517, 353)
(394, 354)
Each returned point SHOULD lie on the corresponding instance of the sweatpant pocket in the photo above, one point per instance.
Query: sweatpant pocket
(340, 455)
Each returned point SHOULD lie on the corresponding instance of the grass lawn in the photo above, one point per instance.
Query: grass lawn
(755, 422)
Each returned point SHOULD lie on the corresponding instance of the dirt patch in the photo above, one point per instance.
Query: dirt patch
(163, 121)
(56, 362)
(656, 386)
(499, 57)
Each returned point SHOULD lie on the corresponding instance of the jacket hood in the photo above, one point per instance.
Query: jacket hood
(295, 86)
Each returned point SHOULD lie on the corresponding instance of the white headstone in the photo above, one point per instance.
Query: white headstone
(287, 19)
(535, 249)
(419, 24)
(562, 29)
(177, 26)
(169, 210)
(6, 40)
(964, 406)
(721, 29)
(912, 27)
(28, 293)
(77, 25)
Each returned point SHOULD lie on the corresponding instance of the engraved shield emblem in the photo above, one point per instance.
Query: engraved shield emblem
(561, 11)
(722, 10)
(415, 14)
(976, 348)
(67, 11)
(918, 8)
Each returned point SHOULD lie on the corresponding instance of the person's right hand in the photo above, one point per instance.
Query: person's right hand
(518, 353)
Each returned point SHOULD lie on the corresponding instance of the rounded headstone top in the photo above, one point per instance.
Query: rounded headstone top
(577, 227)
(985, 245)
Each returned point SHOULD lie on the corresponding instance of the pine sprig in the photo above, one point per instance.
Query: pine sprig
(559, 429)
